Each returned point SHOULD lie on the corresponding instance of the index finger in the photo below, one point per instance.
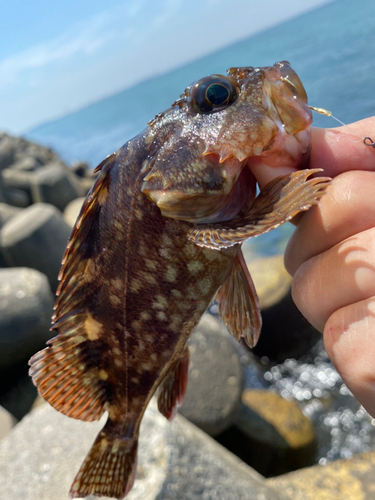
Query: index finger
(341, 149)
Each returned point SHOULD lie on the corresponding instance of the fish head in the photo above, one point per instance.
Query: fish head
(203, 143)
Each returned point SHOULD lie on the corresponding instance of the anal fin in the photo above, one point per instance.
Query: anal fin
(173, 388)
(238, 303)
(279, 201)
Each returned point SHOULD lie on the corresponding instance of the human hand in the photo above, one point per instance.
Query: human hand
(332, 254)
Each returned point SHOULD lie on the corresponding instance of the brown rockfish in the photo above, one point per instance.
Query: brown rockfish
(158, 237)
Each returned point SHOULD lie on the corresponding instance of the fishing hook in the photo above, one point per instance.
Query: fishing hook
(367, 141)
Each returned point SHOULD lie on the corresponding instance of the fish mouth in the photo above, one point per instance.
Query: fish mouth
(285, 103)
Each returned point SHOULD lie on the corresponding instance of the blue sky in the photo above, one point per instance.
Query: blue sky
(56, 57)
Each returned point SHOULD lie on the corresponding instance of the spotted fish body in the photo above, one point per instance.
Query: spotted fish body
(157, 238)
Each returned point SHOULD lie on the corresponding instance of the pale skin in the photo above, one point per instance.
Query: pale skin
(331, 255)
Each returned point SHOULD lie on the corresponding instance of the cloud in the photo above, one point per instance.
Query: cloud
(82, 39)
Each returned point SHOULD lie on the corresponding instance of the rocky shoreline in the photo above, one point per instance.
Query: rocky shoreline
(40, 197)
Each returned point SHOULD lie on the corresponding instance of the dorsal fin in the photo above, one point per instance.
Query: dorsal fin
(64, 372)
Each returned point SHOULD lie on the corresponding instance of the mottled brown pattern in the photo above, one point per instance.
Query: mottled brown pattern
(133, 286)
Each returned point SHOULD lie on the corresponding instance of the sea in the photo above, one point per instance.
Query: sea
(331, 48)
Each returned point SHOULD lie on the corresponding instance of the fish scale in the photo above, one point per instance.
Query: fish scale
(158, 236)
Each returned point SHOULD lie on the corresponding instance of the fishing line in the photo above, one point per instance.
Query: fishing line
(367, 141)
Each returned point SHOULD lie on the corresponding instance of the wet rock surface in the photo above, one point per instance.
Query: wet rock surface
(342, 480)
(279, 437)
(40, 457)
(342, 427)
(269, 417)
(216, 377)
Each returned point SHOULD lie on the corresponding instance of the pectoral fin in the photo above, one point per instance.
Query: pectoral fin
(238, 303)
(173, 388)
(277, 203)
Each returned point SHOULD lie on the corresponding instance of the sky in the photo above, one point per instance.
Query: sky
(57, 57)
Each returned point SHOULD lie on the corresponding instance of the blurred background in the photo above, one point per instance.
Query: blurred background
(77, 80)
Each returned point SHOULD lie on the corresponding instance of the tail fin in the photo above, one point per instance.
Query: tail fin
(108, 469)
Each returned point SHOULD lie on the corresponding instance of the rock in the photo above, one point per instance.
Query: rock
(3, 262)
(216, 377)
(36, 238)
(2, 198)
(72, 210)
(38, 402)
(26, 304)
(27, 164)
(42, 454)
(14, 149)
(15, 197)
(7, 212)
(279, 437)
(7, 422)
(271, 280)
(53, 184)
(84, 185)
(42, 154)
(18, 179)
(285, 332)
(17, 391)
(340, 480)
(7, 151)
(84, 175)
(81, 169)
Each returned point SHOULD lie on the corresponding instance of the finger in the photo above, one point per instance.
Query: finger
(349, 341)
(347, 208)
(342, 275)
(264, 173)
(341, 149)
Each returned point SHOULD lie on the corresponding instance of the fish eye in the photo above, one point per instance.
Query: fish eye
(213, 93)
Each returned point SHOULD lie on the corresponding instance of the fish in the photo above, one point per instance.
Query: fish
(157, 239)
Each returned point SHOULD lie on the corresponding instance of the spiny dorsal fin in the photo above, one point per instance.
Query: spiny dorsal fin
(173, 388)
(64, 372)
(278, 202)
(238, 303)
